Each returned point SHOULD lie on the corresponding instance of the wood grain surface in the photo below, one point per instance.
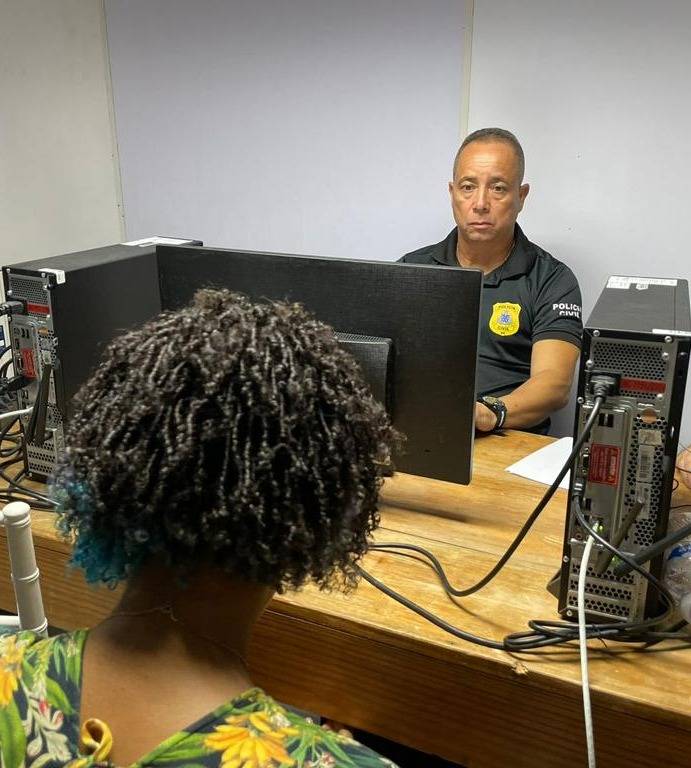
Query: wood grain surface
(366, 660)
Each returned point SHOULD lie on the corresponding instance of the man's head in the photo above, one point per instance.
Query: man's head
(487, 191)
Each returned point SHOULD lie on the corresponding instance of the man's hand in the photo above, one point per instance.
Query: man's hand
(485, 420)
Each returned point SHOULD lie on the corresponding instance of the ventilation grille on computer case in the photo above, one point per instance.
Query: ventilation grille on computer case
(607, 595)
(28, 288)
(637, 362)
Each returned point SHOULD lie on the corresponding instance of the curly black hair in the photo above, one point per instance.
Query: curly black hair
(229, 433)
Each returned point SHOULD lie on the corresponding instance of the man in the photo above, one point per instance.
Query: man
(530, 320)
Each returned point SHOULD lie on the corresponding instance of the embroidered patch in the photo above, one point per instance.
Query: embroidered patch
(504, 320)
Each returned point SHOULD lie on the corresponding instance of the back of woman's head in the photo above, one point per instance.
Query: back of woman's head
(228, 434)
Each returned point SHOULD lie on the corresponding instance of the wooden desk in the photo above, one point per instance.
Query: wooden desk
(366, 660)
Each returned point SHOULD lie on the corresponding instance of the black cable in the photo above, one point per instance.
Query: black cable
(33, 503)
(36, 428)
(19, 488)
(13, 307)
(15, 440)
(14, 384)
(487, 643)
(628, 559)
(4, 368)
(542, 633)
(546, 632)
(655, 549)
(455, 592)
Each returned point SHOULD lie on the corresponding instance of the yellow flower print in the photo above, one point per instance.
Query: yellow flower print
(11, 656)
(251, 741)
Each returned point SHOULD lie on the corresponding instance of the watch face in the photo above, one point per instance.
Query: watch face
(490, 399)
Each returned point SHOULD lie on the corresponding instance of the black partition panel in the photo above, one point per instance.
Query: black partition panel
(429, 313)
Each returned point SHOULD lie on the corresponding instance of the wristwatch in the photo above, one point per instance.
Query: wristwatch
(498, 408)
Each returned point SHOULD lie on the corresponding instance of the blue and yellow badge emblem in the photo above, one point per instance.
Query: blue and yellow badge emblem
(504, 320)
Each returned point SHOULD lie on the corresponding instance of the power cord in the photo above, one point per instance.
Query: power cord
(583, 649)
(13, 307)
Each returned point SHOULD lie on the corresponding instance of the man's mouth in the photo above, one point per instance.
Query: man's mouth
(480, 224)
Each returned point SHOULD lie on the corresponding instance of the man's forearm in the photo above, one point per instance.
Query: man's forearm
(535, 400)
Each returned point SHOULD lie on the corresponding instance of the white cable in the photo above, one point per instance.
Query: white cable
(16, 414)
(583, 647)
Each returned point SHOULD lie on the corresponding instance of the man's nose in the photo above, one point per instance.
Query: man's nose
(481, 201)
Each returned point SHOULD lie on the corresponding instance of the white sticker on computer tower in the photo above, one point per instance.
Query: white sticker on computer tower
(646, 462)
(643, 497)
(668, 332)
(59, 274)
(649, 437)
(157, 241)
(623, 282)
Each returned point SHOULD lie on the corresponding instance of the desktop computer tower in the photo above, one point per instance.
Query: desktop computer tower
(75, 304)
(639, 334)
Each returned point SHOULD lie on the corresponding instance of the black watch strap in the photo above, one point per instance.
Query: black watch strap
(498, 408)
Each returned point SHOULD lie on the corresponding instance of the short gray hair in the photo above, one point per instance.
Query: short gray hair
(494, 134)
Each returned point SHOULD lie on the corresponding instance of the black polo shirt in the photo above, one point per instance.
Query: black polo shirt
(530, 297)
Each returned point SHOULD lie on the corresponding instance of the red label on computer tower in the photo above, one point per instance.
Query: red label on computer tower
(643, 385)
(28, 367)
(37, 309)
(604, 464)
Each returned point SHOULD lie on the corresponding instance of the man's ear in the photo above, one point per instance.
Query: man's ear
(451, 189)
(523, 193)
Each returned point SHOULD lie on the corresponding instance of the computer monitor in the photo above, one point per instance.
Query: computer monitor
(420, 324)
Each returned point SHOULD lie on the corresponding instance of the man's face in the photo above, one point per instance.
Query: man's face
(486, 192)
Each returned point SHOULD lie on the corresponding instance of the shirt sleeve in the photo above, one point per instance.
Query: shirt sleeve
(558, 308)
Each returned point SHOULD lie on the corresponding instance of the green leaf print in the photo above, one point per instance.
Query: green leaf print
(74, 667)
(56, 697)
(191, 745)
(314, 741)
(368, 760)
(12, 737)
(27, 674)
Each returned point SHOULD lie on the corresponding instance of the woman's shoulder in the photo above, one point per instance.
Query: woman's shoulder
(40, 681)
(254, 729)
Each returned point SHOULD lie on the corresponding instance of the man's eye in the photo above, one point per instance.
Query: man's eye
(500, 189)
(466, 187)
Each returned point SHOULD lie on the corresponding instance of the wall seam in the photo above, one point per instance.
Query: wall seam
(467, 28)
(115, 155)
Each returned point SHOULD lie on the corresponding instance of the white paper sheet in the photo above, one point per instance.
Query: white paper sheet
(544, 464)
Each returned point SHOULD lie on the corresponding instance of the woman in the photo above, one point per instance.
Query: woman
(219, 454)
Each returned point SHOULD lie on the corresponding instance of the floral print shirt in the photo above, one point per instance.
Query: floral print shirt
(40, 692)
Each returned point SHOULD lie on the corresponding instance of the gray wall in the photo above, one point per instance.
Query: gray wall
(303, 126)
(59, 186)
